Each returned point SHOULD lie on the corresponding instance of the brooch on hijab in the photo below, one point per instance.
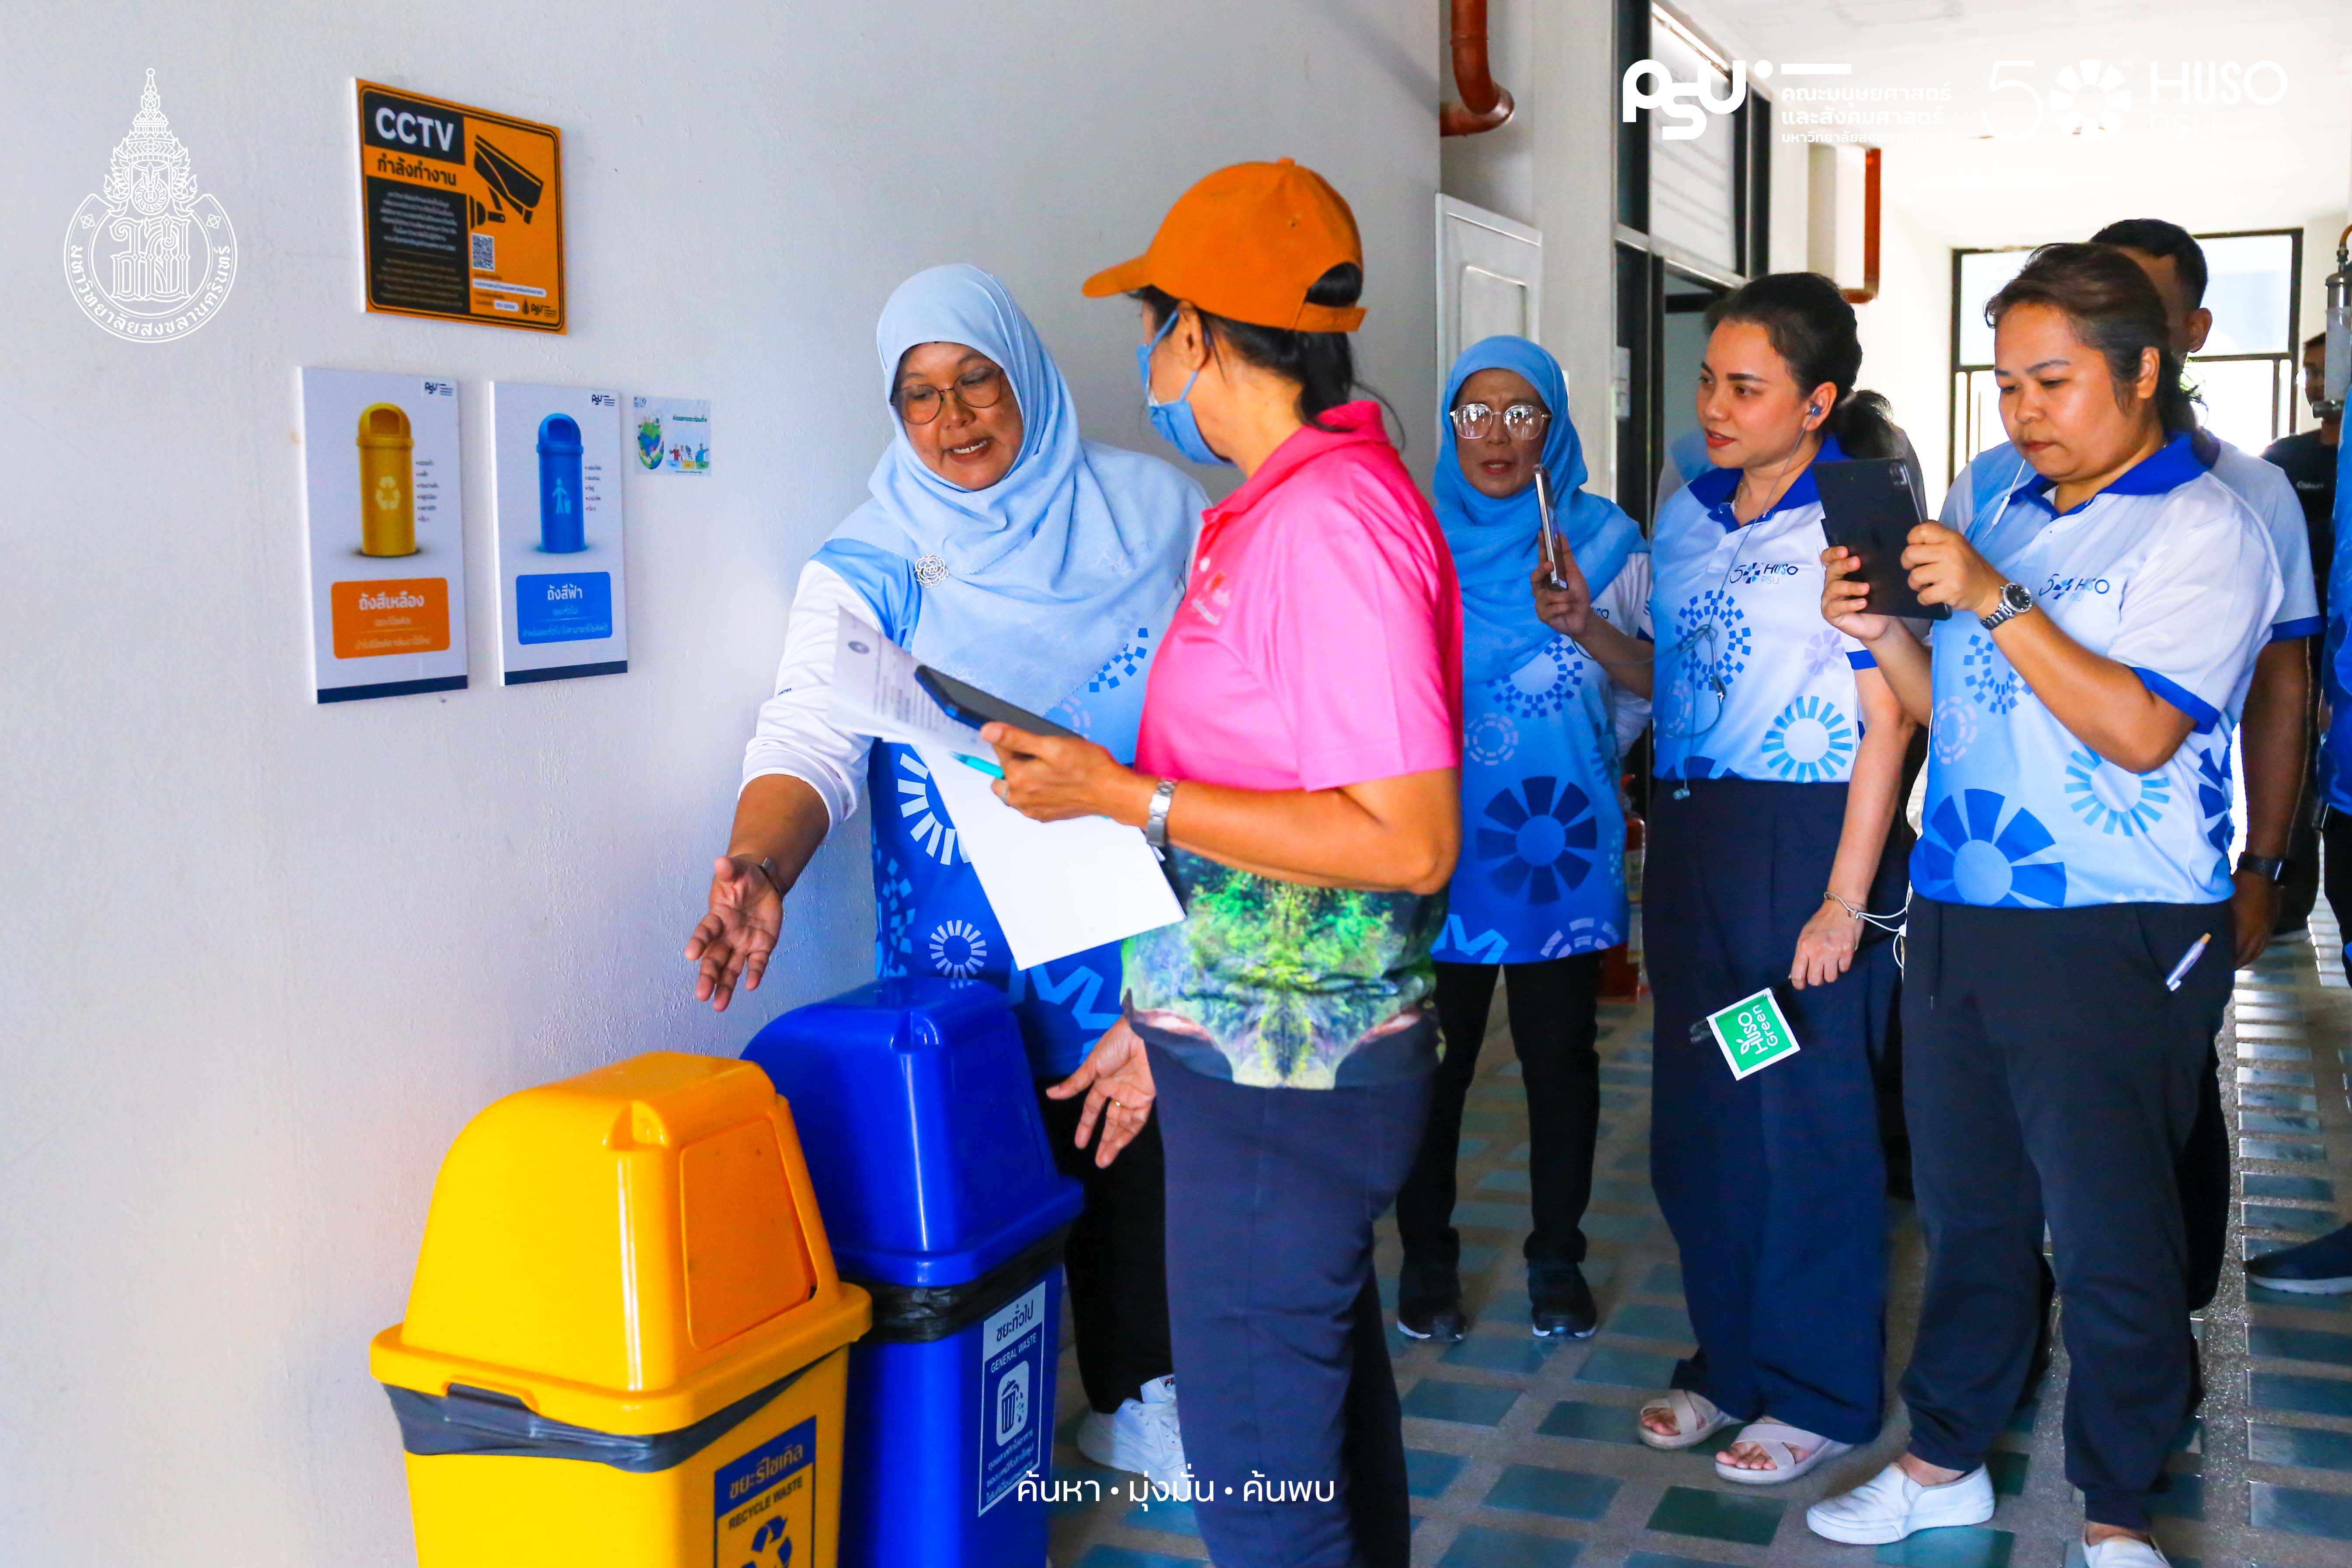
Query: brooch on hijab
(930, 571)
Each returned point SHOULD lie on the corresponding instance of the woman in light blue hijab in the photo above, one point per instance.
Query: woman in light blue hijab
(1555, 682)
(998, 545)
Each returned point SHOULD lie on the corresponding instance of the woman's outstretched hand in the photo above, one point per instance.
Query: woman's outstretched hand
(1051, 778)
(737, 937)
(1115, 1079)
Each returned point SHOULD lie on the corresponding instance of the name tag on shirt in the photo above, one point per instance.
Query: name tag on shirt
(1753, 1034)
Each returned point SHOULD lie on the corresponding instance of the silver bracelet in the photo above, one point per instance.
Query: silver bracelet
(1155, 825)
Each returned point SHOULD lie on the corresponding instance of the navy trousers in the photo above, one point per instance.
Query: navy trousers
(1774, 1184)
(2052, 1078)
(1282, 1357)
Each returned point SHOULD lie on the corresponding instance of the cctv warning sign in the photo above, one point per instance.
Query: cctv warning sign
(462, 210)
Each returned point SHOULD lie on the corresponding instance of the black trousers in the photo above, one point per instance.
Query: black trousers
(1553, 1027)
(2048, 1074)
(2336, 837)
(1280, 1343)
(1116, 1259)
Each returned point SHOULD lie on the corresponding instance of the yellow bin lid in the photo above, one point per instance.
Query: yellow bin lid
(628, 1251)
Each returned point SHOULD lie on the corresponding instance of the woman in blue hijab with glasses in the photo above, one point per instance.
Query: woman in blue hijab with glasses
(1555, 685)
(998, 546)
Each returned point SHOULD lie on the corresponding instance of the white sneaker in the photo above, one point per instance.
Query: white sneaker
(2120, 1552)
(1891, 1505)
(1143, 1437)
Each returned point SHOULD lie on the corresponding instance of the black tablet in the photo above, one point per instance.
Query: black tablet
(976, 707)
(1869, 507)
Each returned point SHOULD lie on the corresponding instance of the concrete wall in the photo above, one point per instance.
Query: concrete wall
(261, 960)
(1554, 167)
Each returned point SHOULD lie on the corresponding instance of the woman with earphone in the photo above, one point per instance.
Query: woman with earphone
(1779, 757)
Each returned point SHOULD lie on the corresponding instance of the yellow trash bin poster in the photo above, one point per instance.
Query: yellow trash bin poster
(461, 211)
(385, 533)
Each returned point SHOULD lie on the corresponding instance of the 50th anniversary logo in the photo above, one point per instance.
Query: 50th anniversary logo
(149, 257)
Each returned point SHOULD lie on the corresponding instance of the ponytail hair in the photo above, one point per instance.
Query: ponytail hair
(1813, 330)
(1322, 363)
(2113, 308)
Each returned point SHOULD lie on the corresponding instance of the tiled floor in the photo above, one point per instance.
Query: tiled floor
(1523, 1452)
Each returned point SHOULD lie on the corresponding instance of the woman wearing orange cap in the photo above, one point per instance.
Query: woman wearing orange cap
(1298, 761)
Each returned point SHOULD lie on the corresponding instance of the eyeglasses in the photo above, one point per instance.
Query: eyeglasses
(920, 403)
(1521, 421)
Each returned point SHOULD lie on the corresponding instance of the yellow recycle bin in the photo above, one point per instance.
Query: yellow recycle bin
(625, 1342)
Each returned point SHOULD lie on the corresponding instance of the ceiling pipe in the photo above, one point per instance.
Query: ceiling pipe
(1482, 105)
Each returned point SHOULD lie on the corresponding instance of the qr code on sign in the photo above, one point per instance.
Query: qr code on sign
(486, 252)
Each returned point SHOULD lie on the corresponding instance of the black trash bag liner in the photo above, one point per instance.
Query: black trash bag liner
(916, 1314)
(478, 1421)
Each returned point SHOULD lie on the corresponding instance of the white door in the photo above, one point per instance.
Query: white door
(1489, 277)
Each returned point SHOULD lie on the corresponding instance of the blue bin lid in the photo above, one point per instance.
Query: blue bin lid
(915, 1108)
(557, 434)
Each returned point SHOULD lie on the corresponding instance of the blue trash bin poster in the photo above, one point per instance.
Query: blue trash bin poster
(1012, 1384)
(563, 599)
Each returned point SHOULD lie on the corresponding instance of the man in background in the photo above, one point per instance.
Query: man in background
(2308, 458)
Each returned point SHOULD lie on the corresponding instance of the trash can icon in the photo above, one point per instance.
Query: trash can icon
(625, 1341)
(387, 472)
(930, 1159)
(560, 532)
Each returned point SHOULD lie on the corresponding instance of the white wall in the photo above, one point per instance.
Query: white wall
(1554, 167)
(260, 960)
(1906, 335)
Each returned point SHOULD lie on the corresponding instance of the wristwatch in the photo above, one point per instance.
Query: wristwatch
(1155, 825)
(2014, 602)
(2268, 867)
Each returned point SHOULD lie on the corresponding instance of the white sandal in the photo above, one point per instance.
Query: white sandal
(1787, 1466)
(1696, 1419)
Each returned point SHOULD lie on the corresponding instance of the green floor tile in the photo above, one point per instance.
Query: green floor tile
(2183, 1497)
(1471, 1403)
(1666, 1279)
(2007, 1472)
(1521, 1354)
(2299, 1512)
(1121, 1557)
(1718, 1516)
(1480, 1547)
(2276, 1099)
(1507, 1096)
(1481, 1120)
(1563, 1494)
(1633, 1160)
(2298, 1445)
(1621, 1227)
(1965, 1546)
(2261, 1051)
(1510, 1180)
(1519, 1154)
(1630, 1368)
(1491, 1217)
(1168, 1518)
(2299, 1345)
(2307, 1395)
(2277, 1121)
(2286, 1151)
(1591, 1422)
(1477, 1260)
(1667, 1560)
(1643, 1319)
(1637, 1077)
(2274, 1077)
(1428, 1474)
(2299, 1189)
(2263, 1295)
(1624, 1194)
(2276, 1217)
(1620, 1099)
(1470, 1149)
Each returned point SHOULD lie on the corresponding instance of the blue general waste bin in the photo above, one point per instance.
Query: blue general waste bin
(919, 1120)
(561, 529)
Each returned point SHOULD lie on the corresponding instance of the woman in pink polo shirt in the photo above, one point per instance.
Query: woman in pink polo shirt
(1298, 759)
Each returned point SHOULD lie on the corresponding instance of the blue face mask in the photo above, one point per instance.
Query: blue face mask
(1174, 421)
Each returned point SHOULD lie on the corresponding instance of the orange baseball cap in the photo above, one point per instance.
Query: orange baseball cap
(1246, 244)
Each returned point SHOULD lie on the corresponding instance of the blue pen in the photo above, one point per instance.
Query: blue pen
(2188, 961)
(990, 769)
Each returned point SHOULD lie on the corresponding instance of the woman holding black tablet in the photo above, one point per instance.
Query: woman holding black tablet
(2070, 934)
(1780, 751)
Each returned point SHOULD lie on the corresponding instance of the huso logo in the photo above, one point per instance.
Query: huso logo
(148, 257)
(1682, 100)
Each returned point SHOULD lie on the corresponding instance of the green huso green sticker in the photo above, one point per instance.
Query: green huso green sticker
(1754, 1033)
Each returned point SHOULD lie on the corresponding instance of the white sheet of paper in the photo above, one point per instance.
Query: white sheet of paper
(874, 693)
(1056, 888)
